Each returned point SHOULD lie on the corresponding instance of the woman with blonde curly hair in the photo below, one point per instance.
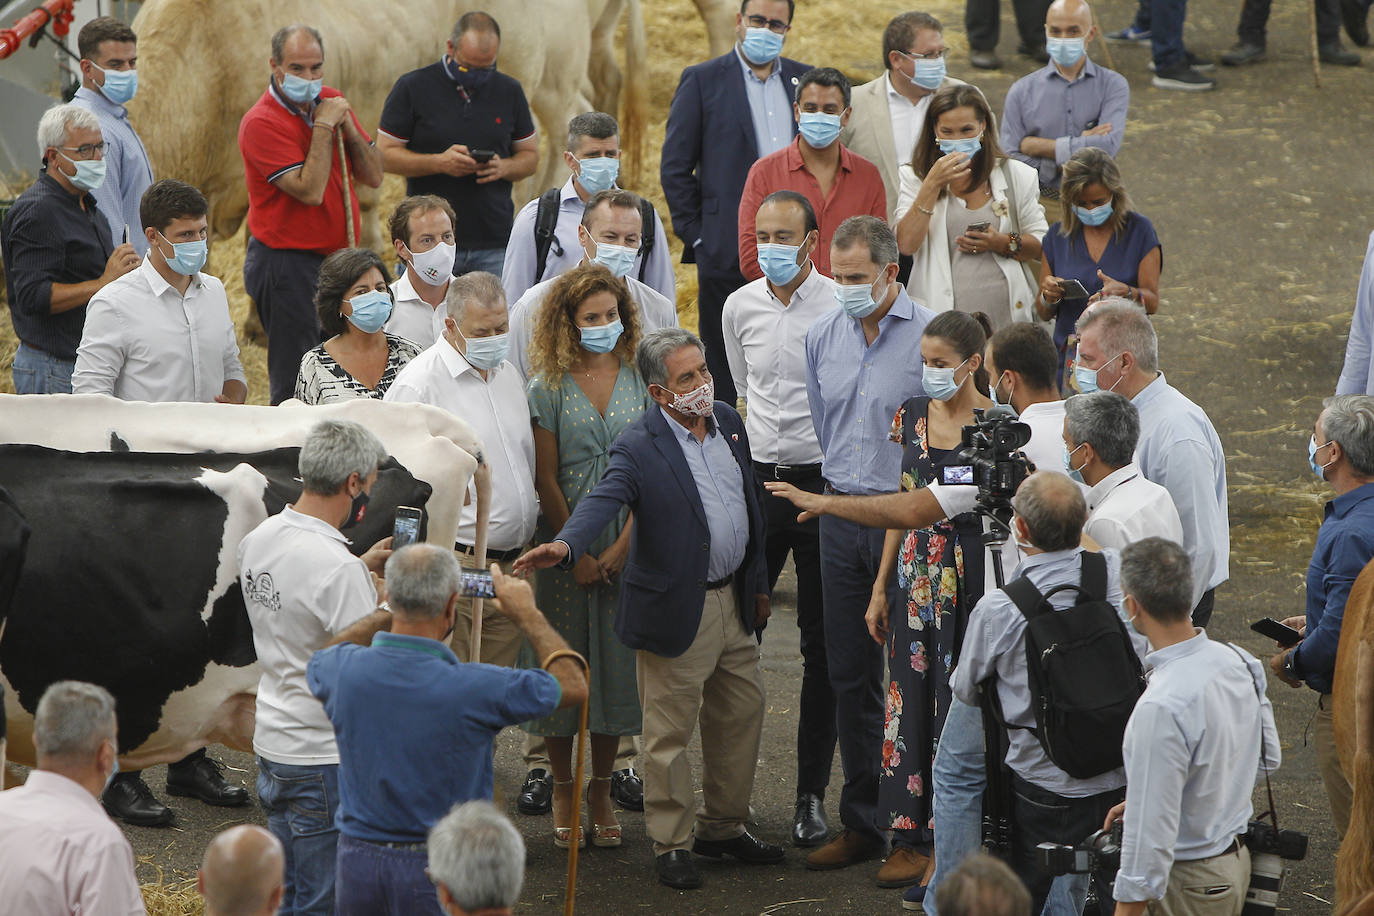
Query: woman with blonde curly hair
(583, 391)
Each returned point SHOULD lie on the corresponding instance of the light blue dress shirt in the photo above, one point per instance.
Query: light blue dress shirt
(1192, 747)
(1357, 375)
(128, 173)
(1045, 104)
(854, 389)
(770, 107)
(720, 484)
(1179, 449)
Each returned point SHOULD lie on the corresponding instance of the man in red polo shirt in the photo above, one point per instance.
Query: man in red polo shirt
(838, 183)
(296, 195)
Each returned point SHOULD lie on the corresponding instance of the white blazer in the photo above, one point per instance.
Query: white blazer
(931, 283)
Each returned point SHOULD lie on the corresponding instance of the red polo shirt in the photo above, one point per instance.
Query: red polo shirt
(274, 138)
(858, 189)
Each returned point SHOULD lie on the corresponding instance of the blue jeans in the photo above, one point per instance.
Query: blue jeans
(1166, 33)
(380, 880)
(36, 372)
(490, 260)
(300, 802)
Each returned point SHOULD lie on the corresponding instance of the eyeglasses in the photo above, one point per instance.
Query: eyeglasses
(772, 25)
(87, 150)
(933, 55)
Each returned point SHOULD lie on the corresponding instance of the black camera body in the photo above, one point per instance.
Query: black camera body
(989, 456)
(1265, 838)
(1100, 852)
(1269, 848)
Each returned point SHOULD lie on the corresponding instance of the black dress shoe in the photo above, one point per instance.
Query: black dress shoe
(129, 799)
(627, 789)
(808, 824)
(676, 869)
(536, 795)
(1242, 53)
(746, 847)
(203, 778)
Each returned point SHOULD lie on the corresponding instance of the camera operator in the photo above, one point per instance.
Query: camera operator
(1190, 750)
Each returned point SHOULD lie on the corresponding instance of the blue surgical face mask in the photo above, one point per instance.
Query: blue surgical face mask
(1075, 473)
(761, 46)
(927, 74)
(1065, 51)
(617, 258)
(120, 85)
(598, 174)
(1087, 378)
(90, 173)
(300, 90)
(779, 263)
(370, 311)
(996, 401)
(487, 352)
(818, 129)
(1095, 216)
(187, 257)
(858, 301)
(603, 338)
(939, 383)
(1312, 448)
(969, 145)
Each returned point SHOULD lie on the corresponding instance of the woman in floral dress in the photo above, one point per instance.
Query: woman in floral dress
(940, 570)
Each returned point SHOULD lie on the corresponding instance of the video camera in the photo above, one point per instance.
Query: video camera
(989, 457)
(1100, 852)
(1269, 847)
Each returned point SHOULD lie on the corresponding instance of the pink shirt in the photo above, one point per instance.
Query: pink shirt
(61, 854)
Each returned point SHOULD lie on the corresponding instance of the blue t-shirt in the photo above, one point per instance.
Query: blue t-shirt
(415, 729)
(1067, 258)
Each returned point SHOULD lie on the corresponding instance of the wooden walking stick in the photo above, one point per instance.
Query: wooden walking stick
(579, 771)
(1316, 55)
(347, 188)
(1102, 40)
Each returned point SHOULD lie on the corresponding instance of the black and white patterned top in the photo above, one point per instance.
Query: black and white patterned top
(323, 381)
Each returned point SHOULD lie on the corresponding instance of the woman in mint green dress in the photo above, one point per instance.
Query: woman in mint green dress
(583, 391)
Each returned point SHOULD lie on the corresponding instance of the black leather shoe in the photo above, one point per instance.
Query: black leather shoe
(984, 60)
(1243, 53)
(129, 799)
(536, 795)
(627, 789)
(808, 824)
(1335, 54)
(676, 869)
(1355, 15)
(203, 778)
(746, 847)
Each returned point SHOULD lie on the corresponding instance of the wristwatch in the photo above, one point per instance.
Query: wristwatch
(1289, 668)
(1014, 246)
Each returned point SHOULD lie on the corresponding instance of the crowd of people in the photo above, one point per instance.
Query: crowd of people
(877, 272)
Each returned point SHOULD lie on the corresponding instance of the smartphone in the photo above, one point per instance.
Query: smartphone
(407, 528)
(956, 474)
(1283, 635)
(1090, 125)
(1073, 289)
(476, 583)
(978, 227)
(483, 156)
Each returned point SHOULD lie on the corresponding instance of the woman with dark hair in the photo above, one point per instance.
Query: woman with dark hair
(1100, 242)
(583, 392)
(969, 214)
(359, 360)
(941, 570)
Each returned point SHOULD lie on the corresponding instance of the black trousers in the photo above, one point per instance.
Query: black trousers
(816, 721)
(982, 21)
(1254, 18)
(1203, 612)
(1044, 817)
(281, 282)
(712, 291)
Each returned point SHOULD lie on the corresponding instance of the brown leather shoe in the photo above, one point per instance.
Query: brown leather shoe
(849, 848)
(903, 868)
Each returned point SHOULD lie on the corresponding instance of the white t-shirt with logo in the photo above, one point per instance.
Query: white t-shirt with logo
(302, 588)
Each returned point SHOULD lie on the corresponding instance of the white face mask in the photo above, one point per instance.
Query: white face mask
(699, 402)
(434, 267)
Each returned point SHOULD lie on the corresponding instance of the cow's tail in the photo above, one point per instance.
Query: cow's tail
(1355, 862)
(634, 116)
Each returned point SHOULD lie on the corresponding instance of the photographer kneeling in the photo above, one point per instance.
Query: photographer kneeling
(1190, 749)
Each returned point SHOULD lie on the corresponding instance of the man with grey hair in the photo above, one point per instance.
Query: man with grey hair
(476, 861)
(1179, 449)
(592, 155)
(693, 602)
(435, 708)
(304, 590)
(1100, 434)
(58, 251)
(466, 372)
(243, 873)
(61, 854)
(1340, 452)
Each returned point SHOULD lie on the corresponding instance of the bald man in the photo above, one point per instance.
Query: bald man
(1069, 103)
(243, 873)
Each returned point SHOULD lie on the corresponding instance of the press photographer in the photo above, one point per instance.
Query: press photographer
(1190, 749)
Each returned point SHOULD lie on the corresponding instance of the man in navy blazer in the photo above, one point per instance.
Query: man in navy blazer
(726, 114)
(693, 599)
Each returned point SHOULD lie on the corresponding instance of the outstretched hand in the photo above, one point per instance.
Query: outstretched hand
(541, 557)
(811, 504)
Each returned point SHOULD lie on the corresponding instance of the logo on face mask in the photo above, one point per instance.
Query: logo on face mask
(434, 267)
(356, 510)
(699, 402)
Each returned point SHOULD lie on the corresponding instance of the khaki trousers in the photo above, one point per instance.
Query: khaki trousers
(1206, 887)
(1339, 793)
(717, 682)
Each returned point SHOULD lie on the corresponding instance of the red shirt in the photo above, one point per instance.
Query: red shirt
(858, 190)
(274, 138)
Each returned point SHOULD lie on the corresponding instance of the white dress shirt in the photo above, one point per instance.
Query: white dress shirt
(765, 342)
(496, 409)
(412, 317)
(1192, 750)
(907, 118)
(144, 341)
(61, 854)
(302, 588)
(1124, 507)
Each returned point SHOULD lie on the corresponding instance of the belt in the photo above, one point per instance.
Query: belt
(720, 583)
(1229, 850)
(500, 556)
(788, 473)
(405, 847)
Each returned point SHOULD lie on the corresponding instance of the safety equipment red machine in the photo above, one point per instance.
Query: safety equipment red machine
(57, 12)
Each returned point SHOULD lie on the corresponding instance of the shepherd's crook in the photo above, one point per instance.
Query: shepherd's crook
(1316, 55)
(1102, 40)
(579, 771)
(347, 188)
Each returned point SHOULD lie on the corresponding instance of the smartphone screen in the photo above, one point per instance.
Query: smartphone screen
(477, 584)
(1283, 635)
(979, 227)
(407, 529)
(1073, 289)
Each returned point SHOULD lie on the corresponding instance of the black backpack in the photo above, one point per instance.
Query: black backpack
(1084, 674)
(546, 221)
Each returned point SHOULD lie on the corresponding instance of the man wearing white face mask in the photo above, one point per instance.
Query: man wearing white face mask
(544, 240)
(422, 233)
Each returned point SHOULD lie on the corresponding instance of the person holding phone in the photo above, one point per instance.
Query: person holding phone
(1100, 248)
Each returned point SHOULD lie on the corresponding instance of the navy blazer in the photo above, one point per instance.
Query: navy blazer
(663, 585)
(706, 156)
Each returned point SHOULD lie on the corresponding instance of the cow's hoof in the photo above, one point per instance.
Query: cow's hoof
(129, 799)
(201, 778)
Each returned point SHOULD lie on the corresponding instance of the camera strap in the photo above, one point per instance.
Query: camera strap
(1259, 695)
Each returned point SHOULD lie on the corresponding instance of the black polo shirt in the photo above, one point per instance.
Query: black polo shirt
(429, 112)
(48, 238)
